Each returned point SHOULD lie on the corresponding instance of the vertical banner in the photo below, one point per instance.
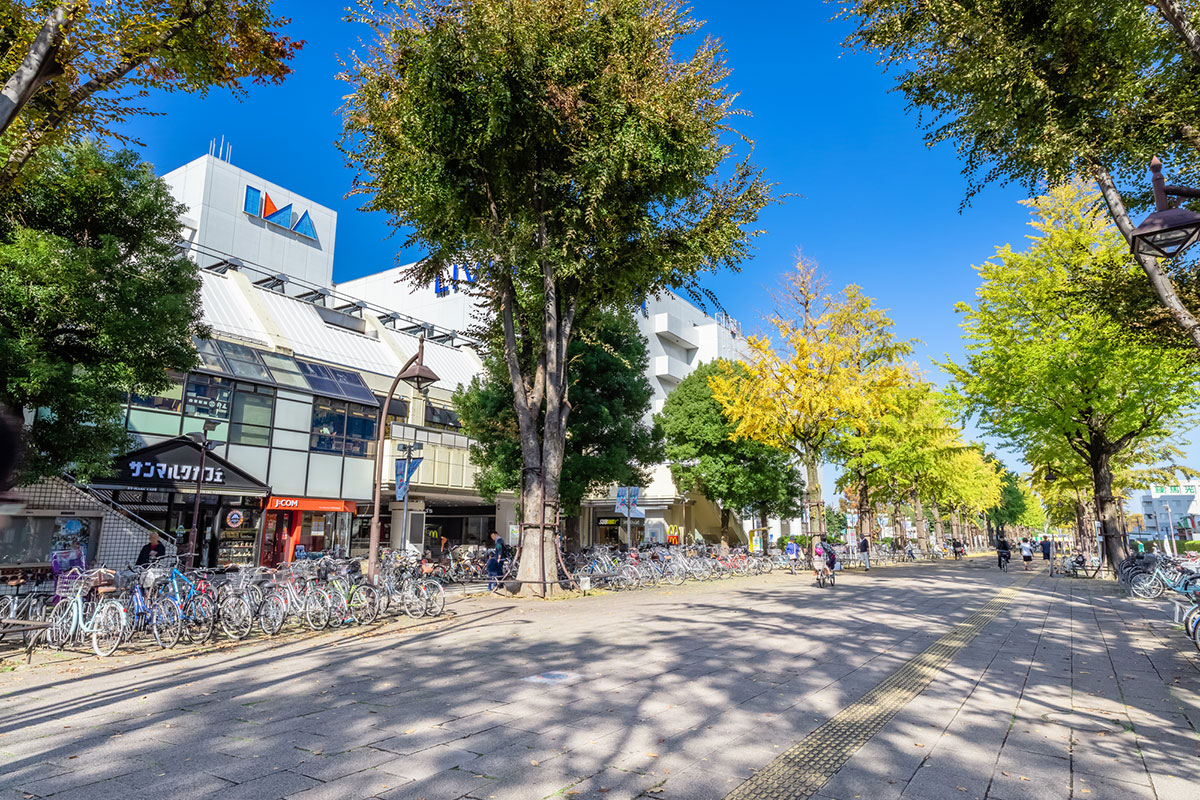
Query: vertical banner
(404, 479)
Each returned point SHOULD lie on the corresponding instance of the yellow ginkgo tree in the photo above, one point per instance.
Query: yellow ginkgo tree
(833, 366)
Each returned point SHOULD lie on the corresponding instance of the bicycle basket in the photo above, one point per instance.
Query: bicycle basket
(72, 583)
(153, 576)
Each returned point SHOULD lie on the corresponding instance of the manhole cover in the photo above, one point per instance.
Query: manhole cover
(552, 677)
(1085, 722)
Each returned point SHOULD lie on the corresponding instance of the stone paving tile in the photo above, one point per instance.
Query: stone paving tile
(446, 785)
(270, 787)
(367, 783)
(1093, 787)
(332, 767)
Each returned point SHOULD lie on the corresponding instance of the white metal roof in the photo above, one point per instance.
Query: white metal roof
(454, 366)
(226, 309)
(303, 330)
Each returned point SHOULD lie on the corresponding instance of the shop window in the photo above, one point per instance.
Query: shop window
(396, 413)
(443, 418)
(249, 434)
(64, 541)
(169, 399)
(252, 408)
(207, 396)
(328, 426)
(361, 430)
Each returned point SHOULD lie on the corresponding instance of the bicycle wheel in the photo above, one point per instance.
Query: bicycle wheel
(339, 609)
(317, 610)
(415, 600)
(364, 604)
(199, 619)
(821, 580)
(676, 575)
(236, 617)
(108, 628)
(832, 579)
(61, 625)
(1145, 586)
(436, 601)
(167, 623)
(271, 613)
(1190, 619)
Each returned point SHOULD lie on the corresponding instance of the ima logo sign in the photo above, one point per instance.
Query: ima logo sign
(258, 204)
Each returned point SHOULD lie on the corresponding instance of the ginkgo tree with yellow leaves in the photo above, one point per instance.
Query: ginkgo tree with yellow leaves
(832, 368)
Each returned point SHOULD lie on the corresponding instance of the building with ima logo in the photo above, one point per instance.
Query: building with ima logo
(267, 226)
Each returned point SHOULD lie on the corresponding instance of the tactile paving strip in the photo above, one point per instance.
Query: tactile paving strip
(804, 768)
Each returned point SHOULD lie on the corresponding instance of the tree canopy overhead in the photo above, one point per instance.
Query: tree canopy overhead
(1036, 91)
(567, 156)
(736, 474)
(1043, 369)
(75, 68)
(95, 301)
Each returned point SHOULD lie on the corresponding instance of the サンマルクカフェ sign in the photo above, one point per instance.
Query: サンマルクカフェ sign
(175, 465)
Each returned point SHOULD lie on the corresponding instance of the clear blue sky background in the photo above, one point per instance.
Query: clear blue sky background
(875, 206)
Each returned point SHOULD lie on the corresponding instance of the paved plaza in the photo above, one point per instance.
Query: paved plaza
(929, 681)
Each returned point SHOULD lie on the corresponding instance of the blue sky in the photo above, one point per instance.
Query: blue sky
(873, 205)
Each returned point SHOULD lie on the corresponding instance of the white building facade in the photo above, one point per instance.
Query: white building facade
(1172, 509)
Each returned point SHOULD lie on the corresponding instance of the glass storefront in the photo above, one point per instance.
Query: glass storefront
(42, 540)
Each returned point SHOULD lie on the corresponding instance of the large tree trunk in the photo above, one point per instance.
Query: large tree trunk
(815, 499)
(1177, 18)
(1081, 538)
(937, 520)
(39, 65)
(1159, 280)
(1114, 539)
(919, 514)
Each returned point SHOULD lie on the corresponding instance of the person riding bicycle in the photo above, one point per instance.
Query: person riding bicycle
(1003, 553)
(793, 554)
(821, 564)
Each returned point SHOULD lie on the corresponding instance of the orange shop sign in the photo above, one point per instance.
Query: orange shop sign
(310, 504)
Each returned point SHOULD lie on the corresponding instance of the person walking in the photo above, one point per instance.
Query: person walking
(1045, 549)
(793, 554)
(495, 560)
(1026, 552)
(864, 550)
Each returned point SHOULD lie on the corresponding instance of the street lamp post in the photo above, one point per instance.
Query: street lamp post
(1168, 231)
(201, 438)
(420, 377)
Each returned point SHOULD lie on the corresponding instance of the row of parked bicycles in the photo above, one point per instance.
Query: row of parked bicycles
(609, 567)
(1151, 576)
(165, 603)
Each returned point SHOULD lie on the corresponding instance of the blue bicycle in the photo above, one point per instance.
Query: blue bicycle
(196, 608)
(146, 611)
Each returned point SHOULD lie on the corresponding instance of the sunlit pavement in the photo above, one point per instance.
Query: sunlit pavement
(1060, 688)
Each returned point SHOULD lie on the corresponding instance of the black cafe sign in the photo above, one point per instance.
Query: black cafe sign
(175, 465)
(174, 472)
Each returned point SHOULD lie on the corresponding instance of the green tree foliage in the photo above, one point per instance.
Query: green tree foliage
(569, 154)
(1042, 367)
(1012, 506)
(735, 474)
(1033, 91)
(95, 300)
(76, 68)
(607, 440)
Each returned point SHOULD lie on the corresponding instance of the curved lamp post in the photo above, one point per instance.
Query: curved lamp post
(420, 377)
(1168, 231)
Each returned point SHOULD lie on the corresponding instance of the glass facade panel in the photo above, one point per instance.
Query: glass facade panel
(207, 396)
(284, 370)
(353, 386)
(250, 434)
(328, 426)
(319, 378)
(361, 429)
(252, 409)
(144, 420)
(244, 362)
(169, 399)
(210, 356)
